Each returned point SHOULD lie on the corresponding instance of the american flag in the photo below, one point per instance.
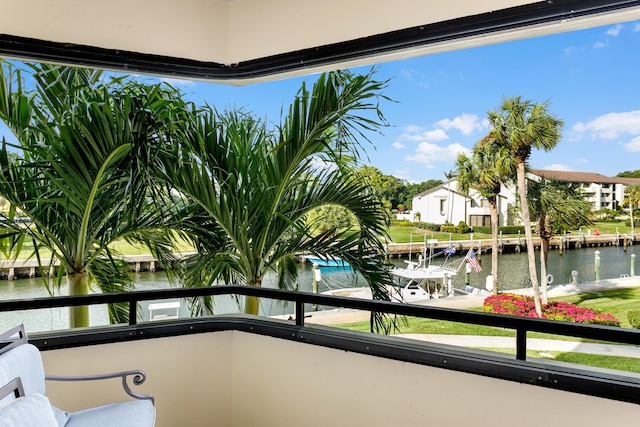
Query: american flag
(473, 261)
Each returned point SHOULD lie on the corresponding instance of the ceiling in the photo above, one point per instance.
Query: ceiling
(246, 41)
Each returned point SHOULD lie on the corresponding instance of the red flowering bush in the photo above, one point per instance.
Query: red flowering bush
(521, 305)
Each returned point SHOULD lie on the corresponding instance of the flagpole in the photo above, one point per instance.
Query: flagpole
(464, 259)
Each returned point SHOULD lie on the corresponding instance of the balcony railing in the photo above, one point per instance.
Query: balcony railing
(619, 387)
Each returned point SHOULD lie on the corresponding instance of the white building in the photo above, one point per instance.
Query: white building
(445, 203)
(601, 191)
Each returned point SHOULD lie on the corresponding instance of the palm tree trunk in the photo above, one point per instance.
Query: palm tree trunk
(526, 219)
(493, 211)
(78, 285)
(252, 304)
(544, 250)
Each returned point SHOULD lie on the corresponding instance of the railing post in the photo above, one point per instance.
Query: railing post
(521, 344)
(133, 313)
(299, 313)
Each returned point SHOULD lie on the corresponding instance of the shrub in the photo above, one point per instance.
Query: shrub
(402, 223)
(506, 229)
(634, 318)
(427, 226)
(521, 305)
(448, 228)
(462, 227)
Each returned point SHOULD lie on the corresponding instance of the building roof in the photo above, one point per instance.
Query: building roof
(583, 177)
(437, 188)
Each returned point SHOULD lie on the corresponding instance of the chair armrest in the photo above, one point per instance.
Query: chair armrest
(138, 378)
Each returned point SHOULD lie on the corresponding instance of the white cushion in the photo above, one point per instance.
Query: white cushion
(28, 411)
(135, 413)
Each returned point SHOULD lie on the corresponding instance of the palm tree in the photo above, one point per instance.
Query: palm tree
(83, 179)
(488, 168)
(558, 206)
(449, 175)
(521, 126)
(252, 190)
(633, 191)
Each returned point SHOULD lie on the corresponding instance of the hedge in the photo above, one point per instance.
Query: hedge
(506, 229)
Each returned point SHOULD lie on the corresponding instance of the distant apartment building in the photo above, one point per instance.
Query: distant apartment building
(601, 191)
(445, 203)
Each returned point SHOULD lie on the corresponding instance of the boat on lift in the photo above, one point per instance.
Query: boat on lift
(418, 281)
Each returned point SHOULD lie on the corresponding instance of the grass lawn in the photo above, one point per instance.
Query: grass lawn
(617, 302)
(404, 234)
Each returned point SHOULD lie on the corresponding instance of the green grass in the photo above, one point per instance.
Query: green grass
(617, 302)
(121, 247)
(403, 234)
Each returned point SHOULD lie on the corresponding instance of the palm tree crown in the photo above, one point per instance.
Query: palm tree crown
(87, 146)
(251, 191)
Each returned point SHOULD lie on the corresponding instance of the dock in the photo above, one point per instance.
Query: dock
(513, 244)
(23, 269)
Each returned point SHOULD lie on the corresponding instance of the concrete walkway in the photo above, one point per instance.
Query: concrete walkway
(345, 316)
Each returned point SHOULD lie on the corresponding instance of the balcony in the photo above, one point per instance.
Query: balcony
(237, 370)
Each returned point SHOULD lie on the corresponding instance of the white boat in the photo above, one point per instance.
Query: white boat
(418, 281)
(422, 280)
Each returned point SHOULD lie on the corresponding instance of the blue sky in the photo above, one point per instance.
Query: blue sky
(590, 77)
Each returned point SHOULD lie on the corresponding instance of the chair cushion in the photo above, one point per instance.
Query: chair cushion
(28, 411)
(25, 362)
(61, 416)
(136, 413)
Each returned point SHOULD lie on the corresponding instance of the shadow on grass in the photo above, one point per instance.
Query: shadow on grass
(619, 294)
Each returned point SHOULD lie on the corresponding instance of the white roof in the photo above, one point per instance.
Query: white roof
(242, 41)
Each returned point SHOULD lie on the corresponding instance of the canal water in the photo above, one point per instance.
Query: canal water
(615, 261)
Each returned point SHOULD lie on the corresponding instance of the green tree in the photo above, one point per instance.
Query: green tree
(253, 189)
(558, 206)
(522, 125)
(83, 180)
(629, 174)
(489, 166)
(633, 193)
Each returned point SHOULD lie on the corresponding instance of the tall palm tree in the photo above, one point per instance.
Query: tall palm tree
(252, 189)
(449, 175)
(558, 206)
(488, 168)
(522, 125)
(633, 192)
(83, 179)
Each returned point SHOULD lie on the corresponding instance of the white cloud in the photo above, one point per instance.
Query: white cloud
(558, 167)
(615, 30)
(178, 82)
(419, 134)
(415, 78)
(633, 145)
(398, 145)
(429, 154)
(465, 123)
(413, 129)
(636, 27)
(611, 125)
(581, 161)
(599, 45)
(570, 50)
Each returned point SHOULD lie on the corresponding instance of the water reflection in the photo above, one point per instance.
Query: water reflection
(513, 274)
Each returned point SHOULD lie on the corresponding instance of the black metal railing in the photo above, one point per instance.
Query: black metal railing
(520, 325)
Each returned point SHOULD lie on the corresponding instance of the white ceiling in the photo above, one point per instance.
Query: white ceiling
(231, 32)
